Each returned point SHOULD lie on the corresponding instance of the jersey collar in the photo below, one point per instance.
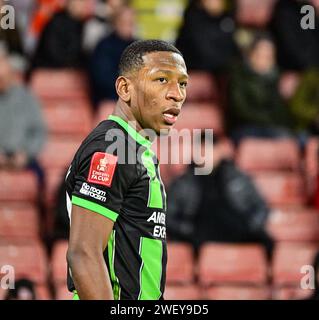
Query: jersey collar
(131, 131)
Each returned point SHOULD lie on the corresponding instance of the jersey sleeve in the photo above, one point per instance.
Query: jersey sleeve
(101, 180)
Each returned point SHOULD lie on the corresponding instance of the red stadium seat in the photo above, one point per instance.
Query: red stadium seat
(19, 221)
(301, 225)
(28, 259)
(237, 293)
(288, 260)
(104, 110)
(291, 293)
(201, 87)
(266, 154)
(42, 293)
(311, 165)
(18, 186)
(54, 178)
(281, 188)
(232, 263)
(58, 262)
(59, 84)
(201, 116)
(68, 116)
(254, 13)
(62, 292)
(180, 263)
(188, 292)
(59, 152)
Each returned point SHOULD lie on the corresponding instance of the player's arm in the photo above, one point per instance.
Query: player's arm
(89, 235)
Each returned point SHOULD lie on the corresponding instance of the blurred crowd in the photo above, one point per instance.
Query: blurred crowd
(260, 67)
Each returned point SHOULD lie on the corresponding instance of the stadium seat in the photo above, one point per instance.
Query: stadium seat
(18, 186)
(237, 293)
(281, 188)
(201, 87)
(201, 116)
(62, 293)
(67, 116)
(311, 165)
(54, 178)
(254, 13)
(291, 293)
(232, 263)
(19, 221)
(42, 292)
(104, 110)
(266, 154)
(288, 260)
(299, 225)
(59, 152)
(180, 263)
(188, 292)
(59, 84)
(28, 259)
(58, 262)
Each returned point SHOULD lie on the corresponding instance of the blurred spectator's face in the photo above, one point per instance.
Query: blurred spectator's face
(79, 9)
(262, 57)
(124, 23)
(213, 7)
(6, 74)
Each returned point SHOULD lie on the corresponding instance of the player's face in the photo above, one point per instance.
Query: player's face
(159, 91)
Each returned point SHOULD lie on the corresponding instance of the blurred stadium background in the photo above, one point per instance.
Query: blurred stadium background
(285, 175)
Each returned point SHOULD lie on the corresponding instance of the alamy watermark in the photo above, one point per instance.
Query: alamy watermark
(7, 277)
(7, 16)
(179, 147)
(308, 281)
(308, 21)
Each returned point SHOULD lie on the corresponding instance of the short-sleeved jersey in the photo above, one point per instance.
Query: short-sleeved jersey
(116, 174)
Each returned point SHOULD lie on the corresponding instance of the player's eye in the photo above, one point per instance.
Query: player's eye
(183, 84)
(162, 80)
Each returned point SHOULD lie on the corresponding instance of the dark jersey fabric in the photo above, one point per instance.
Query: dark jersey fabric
(135, 200)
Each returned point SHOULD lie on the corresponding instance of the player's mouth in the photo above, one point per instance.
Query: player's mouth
(170, 115)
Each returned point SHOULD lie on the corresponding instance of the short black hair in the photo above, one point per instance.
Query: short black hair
(132, 56)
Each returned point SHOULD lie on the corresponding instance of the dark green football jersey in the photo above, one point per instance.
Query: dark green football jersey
(116, 174)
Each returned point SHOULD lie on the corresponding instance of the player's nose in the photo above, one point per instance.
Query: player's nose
(175, 92)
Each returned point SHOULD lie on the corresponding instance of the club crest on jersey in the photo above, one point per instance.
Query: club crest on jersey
(102, 168)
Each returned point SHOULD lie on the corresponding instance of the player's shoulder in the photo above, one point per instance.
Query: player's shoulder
(103, 135)
(111, 138)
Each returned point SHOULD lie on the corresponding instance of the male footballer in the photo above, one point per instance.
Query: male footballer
(117, 206)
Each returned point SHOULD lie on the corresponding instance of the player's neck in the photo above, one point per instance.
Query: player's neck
(125, 113)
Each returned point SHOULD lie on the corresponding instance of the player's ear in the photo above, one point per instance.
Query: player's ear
(122, 86)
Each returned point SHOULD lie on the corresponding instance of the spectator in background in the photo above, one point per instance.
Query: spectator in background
(43, 10)
(60, 212)
(23, 290)
(297, 49)
(255, 105)
(100, 25)
(206, 37)
(60, 44)
(224, 205)
(106, 57)
(304, 103)
(22, 130)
